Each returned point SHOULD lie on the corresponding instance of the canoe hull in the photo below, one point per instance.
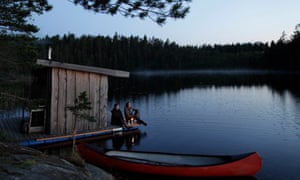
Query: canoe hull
(249, 165)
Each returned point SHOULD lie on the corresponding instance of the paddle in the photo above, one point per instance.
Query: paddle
(142, 122)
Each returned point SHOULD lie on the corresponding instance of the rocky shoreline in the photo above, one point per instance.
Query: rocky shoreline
(18, 162)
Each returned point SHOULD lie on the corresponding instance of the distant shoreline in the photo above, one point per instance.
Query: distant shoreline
(211, 72)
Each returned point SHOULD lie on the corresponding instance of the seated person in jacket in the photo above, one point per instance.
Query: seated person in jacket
(132, 114)
(117, 117)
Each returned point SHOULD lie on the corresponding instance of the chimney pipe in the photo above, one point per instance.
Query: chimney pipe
(49, 53)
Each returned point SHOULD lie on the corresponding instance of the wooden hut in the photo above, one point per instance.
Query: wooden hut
(66, 82)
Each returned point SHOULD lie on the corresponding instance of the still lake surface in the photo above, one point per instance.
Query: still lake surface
(216, 112)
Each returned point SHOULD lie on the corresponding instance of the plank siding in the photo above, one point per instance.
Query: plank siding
(71, 95)
(82, 84)
(95, 99)
(103, 101)
(61, 110)
(66, 86)
(54, 102)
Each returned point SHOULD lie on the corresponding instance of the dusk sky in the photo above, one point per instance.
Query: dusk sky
(209, 22)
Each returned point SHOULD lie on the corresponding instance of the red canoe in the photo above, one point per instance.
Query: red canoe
(170, 164)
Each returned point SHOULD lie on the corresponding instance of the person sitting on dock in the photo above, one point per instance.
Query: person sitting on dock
(132, 114)
(117, 117)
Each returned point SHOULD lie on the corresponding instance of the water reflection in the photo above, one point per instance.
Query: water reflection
(144, 83)
(127, 142)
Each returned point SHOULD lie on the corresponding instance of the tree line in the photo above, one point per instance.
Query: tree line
(285, 54)
(136, 53)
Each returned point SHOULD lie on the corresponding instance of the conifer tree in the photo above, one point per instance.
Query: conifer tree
(78, 109)
(156, 10)
(15, 14)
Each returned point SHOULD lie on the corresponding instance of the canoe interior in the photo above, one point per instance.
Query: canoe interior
(172, 159)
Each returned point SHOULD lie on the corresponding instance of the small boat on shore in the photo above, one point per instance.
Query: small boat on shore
(171, 164)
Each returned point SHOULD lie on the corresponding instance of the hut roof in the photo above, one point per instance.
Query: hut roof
(76, 67)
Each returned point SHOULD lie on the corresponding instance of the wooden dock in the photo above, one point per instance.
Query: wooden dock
(11, 128)
(60, 84)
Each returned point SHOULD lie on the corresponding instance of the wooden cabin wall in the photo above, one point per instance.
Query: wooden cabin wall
(66, 86)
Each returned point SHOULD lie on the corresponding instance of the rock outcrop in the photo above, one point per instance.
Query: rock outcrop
(25, 163)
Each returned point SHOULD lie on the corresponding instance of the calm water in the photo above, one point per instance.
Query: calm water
(221, 113)
(215, 112)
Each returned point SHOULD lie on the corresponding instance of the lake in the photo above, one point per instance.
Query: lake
(216, 112)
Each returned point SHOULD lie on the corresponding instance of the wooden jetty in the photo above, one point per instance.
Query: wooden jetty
(80, 137)
(60, 84)
(11, 128)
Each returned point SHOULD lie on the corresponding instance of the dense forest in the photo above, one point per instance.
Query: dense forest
(17, 57)
(18, 53)
(135, 53)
